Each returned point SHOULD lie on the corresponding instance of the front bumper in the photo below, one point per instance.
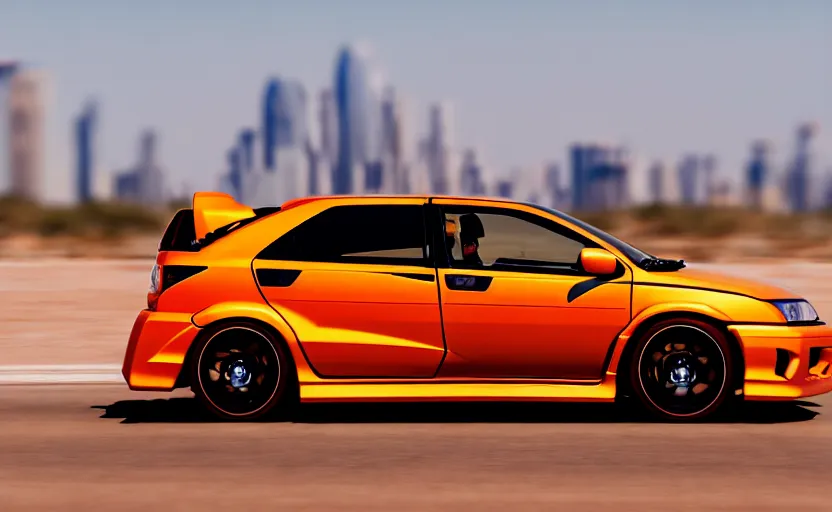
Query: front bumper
(157, 348)
(785, 362)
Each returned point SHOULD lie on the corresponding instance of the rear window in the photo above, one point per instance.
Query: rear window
(180, 233)
(385, 234)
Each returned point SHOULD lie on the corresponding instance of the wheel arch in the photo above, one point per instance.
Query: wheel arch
(229, 313)
(629, 340)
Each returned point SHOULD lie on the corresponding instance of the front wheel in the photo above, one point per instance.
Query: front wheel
(240, 372)
(682, 370)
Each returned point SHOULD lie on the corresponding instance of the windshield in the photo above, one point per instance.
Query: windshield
(635, 255)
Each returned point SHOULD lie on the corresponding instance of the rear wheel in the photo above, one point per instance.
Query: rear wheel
(682, 370)
(240, 372)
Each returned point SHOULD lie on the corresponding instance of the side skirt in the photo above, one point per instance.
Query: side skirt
(438, 391)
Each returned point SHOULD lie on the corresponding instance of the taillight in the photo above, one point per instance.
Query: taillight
(163, 277)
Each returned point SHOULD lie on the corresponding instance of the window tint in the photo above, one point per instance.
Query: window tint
(356, 234)
(508, 240)
(180, 233)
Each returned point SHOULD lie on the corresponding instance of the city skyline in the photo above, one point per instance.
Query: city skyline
(369, 157)
(557, 107)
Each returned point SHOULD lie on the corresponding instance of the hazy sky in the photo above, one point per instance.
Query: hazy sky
(525, 77)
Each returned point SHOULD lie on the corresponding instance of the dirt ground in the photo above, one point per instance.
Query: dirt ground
(67, 311)
(92, 448)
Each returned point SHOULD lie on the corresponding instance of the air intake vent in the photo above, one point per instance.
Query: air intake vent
(782, 364)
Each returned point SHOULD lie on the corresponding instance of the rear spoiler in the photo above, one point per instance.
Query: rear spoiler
(213, 210)
(213, 216)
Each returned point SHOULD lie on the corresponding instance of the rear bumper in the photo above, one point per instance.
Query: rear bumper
(785, 362)
(157, 348)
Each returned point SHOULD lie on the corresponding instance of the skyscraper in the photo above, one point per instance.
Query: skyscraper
(584, 160)
(26, 133)
(328, 122)
(797, 178)
(656, 183)
(354, 101)
(555, 191)
(756, 174)
(246, 144)
(235, 171)
(600, 177)
(827, 197)
(313, 185)
(284, 119)
(269, 124)
(688, 179)
(577, 157)
(504, 188)
(150, 174)
(472, 182)
(7, 70)
(437, 148)
(144, 183)
(708, 187)
(85, 152)
(394, 170)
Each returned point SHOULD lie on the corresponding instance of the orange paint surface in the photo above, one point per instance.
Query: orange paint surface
(401, 332)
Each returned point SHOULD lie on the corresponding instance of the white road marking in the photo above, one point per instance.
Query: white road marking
(61, 374)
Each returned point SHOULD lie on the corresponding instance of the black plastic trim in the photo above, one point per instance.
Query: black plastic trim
(276, 277)
(584, 287)
(418, 277)
(173, 274)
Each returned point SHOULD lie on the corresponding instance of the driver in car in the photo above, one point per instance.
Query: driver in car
(470, 231)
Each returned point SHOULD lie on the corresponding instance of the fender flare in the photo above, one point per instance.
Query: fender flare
(246, 310)
(652, 312)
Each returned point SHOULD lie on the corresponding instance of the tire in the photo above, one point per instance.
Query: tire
(682, 370)
(240, 372)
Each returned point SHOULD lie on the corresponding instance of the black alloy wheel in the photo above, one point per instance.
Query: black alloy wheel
(682, 370)
(240, 372)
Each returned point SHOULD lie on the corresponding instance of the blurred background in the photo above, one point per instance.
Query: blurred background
(664, 123)
(693, 129)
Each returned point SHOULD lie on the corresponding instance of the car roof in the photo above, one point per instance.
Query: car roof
(359, 198)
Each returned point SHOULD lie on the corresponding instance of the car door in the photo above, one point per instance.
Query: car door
(515, 302)
(357, 287)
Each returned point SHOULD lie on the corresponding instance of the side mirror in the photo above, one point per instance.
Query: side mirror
(598, 262)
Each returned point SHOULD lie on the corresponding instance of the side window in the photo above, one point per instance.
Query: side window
(384, 234)
(507, 240)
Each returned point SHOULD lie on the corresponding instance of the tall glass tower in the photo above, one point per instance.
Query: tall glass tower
(756, 174)
(84, 149)
(284, 119)
(7, 70)
(354, 101)
(797, 186)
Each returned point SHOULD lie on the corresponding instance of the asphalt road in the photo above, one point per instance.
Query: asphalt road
(101, 447)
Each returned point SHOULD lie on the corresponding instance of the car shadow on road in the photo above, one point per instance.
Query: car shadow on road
(188, 410)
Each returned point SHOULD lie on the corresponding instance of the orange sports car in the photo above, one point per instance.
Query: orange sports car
(399, 298)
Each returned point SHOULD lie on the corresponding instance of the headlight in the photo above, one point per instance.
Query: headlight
(155, 279)
(797, 310)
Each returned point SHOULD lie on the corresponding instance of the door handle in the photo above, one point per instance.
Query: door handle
(468, 283)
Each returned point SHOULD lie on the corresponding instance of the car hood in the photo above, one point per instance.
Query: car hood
(694, 278)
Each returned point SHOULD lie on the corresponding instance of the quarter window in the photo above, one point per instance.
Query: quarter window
(384, 234)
